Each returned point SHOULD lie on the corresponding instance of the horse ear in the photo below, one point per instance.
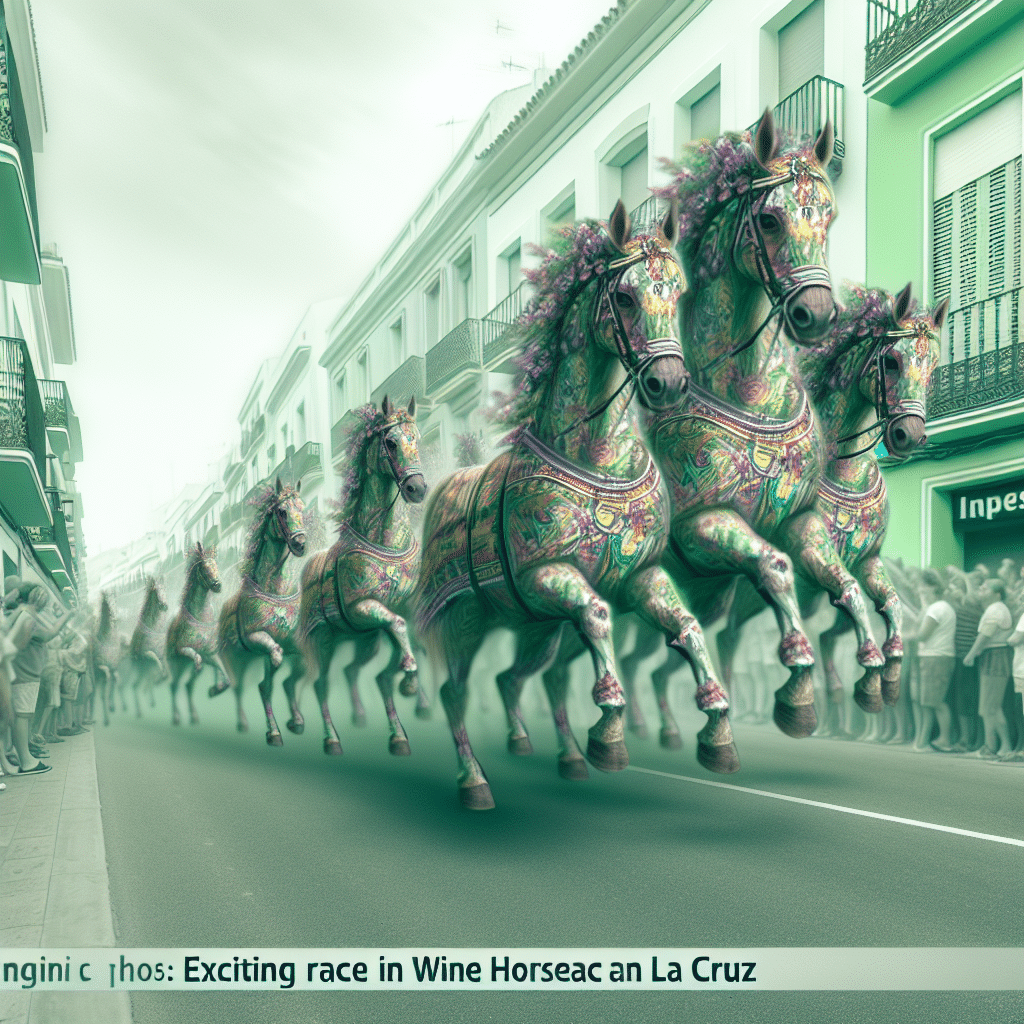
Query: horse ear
(619, 226)
(298, 485)
(901, 303)
(412, 407)
(939, 313)
(385, 406)
(199, 547)
(668, 229)
(766, 142)
(278, 485)
(824, 145)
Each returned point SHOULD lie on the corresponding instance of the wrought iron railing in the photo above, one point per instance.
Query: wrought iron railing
(22, 420)
(307, 460)
(987, 357)
(498, 346)
(56, 403)
(647, 216)
(803, 113)
(895, 27)
(459, 354)
(408, 380)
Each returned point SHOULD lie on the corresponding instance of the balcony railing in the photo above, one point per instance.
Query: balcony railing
(252, 435)
(304, 462)
(647, 216)
(409, 379)
(988, 357)
(457, 357)
(56, 403)
(895, 27)
(803, 113)
(498, 347)
(22, 421)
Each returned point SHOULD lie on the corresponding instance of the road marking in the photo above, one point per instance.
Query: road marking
(833, 807)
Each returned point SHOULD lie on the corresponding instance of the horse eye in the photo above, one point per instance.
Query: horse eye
(392, 444)
(624, 300)
(891, 364)
(768, 222)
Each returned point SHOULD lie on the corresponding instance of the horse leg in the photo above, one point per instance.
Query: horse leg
(836, 708)
(220, 684)
(176, 674)
(561, 591)
(235, 662)
(571, 762)
(536, 646)
(398, 741)
(320, 647)
(422, 692)
(105, 688)
(645, 645)
(652, 596)
(806, 539)
(874, 578)
(366, 647)
(296, 723)
(746, 603)
(190, 685)
(266, 694)
(265, 642)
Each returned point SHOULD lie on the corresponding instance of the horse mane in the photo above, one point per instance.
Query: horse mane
(579, 254)
(152, 587)
(468, 450)
(194, 560)
(106, 615)
(709, 175)
(261, 503)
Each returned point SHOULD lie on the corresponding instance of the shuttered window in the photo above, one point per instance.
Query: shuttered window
(802, 48)
(706, 115)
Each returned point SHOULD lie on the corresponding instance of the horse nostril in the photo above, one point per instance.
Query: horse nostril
(900, 435)
(802, 317)
(655, 385)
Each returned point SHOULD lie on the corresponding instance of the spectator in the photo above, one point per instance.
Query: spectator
(936, 652)
(965, 677)
(995, 667)
(1016, 641)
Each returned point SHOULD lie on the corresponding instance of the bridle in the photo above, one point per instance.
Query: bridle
(634, 364)
(748, 233)
(400, 474)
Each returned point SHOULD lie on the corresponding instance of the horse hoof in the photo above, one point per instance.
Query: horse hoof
(868, 702)
(798, 722)
(639, 731)
(723, 760)
(359, 719)
(332, 748)
(890, 692)
(277, 657)
(520, 745)
(175, 720)
(408, 687)
(573, 768)
(216, 688)
(296, 727)
(274, 739)
(607, 757)
(242, 727)
(398, 746)
(670, 739)
(476, 798)
(423, 713)
(194, 720)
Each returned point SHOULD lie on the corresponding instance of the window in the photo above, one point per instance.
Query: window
(299, 437)
(284, 437)
(561, 213)
(432, 314)
(976, 229)
(396, 336)
(463, 297)
(362, 381)
(706, 115)
(340, 396)
(802, 48)
(626, 174)
(510, 269)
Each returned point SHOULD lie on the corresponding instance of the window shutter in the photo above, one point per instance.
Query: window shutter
(802, 48)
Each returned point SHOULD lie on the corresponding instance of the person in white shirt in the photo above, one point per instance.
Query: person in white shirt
(995, 666)
(1016, 641)
(936, 652)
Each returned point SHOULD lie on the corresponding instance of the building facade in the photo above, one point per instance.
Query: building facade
(40, 438)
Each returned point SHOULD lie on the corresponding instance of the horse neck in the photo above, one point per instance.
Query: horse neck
(723, 313)
(150, 610)
(581, 382)
(268, 566)
(379, 514)
(196, 597)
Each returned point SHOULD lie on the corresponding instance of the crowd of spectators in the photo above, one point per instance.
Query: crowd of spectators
(962, 676)
(45, 683)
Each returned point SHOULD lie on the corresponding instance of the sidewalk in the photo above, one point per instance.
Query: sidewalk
(54, 891)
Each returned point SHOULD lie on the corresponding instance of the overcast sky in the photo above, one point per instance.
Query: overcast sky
(213, 167)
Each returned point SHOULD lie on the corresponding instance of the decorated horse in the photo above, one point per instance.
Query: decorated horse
(106, 654)
(145, 652)
(191, 638)
(570, 521)
(258, 622)
(869, 383)
(360, 589)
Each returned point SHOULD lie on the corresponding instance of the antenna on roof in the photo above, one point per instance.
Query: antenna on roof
(499, 28)
(512, 66)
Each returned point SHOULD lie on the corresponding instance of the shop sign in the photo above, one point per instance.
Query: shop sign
(990, 506)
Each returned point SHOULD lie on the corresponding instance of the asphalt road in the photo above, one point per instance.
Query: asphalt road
(215, 839)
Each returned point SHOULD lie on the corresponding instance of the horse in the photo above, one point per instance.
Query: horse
(569, 521)
(257, 623)
(145, 652)
(192, 635)
(106, 653)
(866, 382)
(360, 588)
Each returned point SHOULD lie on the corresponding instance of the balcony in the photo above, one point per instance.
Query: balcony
(232, 473)
(57, 411)
(306, 461)
(908, 41)
(498, 345)
(803, 113)
(408, 380)
(990, 370)
(455, 360)
(230, 516)
(211, 537)
(53, 550)
(22, 437)
(252, 435)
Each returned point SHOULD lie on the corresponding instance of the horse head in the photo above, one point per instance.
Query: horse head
(155, 597)
(635, 312)
(206, 567)
(285, 512)
(782, 226)
(398, 454)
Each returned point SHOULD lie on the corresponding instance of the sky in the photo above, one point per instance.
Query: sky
(212, 168)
